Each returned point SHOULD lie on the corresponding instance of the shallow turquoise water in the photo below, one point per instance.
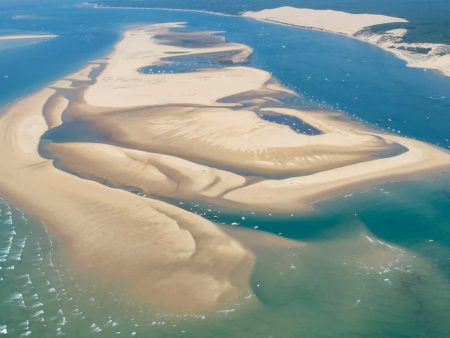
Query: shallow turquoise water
(375, 263)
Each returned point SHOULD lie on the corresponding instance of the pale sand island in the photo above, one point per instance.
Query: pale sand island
(195, 135)
(27, 37)
(418, 55)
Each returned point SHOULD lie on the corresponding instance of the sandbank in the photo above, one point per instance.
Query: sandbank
(27, 37)
(198, 147)
(155, 251)
(178, 136)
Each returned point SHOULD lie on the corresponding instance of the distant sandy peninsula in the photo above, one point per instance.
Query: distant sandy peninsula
(27, 36)
(150, 134)
(418, 55)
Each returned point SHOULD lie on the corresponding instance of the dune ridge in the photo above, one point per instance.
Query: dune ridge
(418, 54)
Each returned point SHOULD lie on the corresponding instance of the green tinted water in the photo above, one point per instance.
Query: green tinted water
(374, 263)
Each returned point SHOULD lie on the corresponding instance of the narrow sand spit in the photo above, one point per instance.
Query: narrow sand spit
(27, 37)
(193, 135)
(432, 55)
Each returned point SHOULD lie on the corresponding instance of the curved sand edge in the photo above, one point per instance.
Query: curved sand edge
(159, 252)
(155, 251)
(201, 149)
(355, 25)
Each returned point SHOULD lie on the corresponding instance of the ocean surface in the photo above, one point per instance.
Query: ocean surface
(372, 263)
(428, 19)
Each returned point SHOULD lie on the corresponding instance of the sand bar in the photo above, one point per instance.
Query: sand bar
(169, 135)
(196, 147)
(157, 252)
(27, 37)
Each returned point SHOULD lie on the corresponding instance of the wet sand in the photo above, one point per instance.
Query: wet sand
(149, 249)
(171, 135)
(204, 146)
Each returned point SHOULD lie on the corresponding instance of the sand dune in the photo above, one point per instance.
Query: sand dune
(416, 54)
(327, 20)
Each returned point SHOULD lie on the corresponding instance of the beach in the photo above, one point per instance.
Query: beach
(90, 218)
(194, 135)
(418, 55)
(236, 144)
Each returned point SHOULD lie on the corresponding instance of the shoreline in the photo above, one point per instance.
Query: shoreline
(26, 170)
(434, 62)
(166, 169)
(390, 40)
(161, 253)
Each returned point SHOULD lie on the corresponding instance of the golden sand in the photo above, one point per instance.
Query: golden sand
(163, 254)
(182, 136)
(356, 25)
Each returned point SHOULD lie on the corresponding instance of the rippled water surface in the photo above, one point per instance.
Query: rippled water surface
(372, 263)
(364, 265)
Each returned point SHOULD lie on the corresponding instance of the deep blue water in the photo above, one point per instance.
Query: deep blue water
(188, 63)
(331, 72)
(428, 19)
(293, 122)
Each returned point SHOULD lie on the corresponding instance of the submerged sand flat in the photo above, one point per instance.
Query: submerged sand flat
(419, 55)
(194, 135)
(166, 255)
